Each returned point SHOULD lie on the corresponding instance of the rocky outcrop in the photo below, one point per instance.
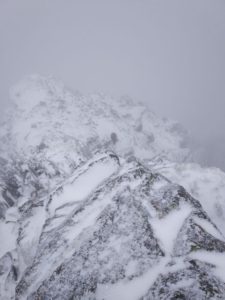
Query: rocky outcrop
(134, 224)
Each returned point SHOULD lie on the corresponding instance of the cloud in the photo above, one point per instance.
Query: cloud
(167, 53)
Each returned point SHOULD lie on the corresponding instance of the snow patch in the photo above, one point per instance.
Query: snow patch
(166, 229)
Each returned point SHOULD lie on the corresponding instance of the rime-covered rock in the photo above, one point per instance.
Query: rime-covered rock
(49, 130)
(132, 225)
(85, 212)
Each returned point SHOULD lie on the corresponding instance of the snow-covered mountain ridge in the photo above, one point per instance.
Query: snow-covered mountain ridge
(122, 237)
(205, 184)
(87, 211)
(49, 131)
(47, 115)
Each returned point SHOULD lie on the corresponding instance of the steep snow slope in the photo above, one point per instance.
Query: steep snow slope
(205, 184)
(125, 238)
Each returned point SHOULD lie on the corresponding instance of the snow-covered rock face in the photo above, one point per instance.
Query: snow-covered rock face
(205, 184)
(48, 118)
(49, 130)
(115, 230)
(84, 212)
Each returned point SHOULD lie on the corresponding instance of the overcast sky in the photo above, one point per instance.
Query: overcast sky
(169, 53)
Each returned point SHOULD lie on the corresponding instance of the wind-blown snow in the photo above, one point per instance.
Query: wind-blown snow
(49, 114)
(79, 189)
(103, 226)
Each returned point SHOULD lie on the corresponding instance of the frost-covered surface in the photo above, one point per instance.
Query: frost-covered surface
(109, 242)
(48, 118)
(82, 218)
(49, 130)
(205, 184)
